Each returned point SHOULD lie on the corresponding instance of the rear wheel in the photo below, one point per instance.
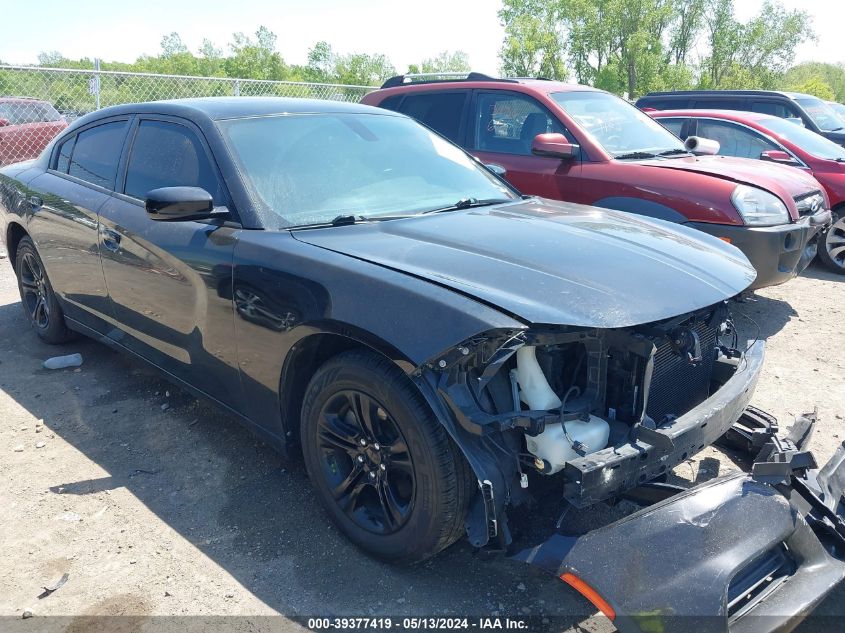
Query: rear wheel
(381, 464)
(832, 243)
(37, 297)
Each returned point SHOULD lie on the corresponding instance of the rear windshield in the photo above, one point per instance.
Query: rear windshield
(809, 141)
(20, 112)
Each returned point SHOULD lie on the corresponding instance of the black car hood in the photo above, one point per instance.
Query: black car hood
(553, 262)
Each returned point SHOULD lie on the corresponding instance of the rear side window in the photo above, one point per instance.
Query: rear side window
(441, 111)
(720, 104)
(507, 123)
(391, 103)
(662, 104)
(772, 107)
(96, 153)
(167, 154)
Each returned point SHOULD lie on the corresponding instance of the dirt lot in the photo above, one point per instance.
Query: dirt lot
(156, 504)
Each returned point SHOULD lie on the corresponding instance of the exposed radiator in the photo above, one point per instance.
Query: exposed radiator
(676, 385)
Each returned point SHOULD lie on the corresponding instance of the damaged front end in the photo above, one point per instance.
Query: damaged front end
(600, 410)
(746, 552)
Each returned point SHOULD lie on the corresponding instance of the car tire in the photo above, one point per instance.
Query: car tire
(39, 302)
(831, 241)
(382, 465)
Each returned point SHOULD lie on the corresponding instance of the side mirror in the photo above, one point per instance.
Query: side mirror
(554, 145)
(5, 122)
(702, 146)
(797, 120)
(180, 204)
(778, 156)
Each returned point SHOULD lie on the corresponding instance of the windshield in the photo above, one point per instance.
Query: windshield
(616, 125)
(807, 140)
(313, 168)
(839, 109)
(822, 115)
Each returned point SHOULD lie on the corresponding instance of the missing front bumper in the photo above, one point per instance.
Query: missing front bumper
(741, 553)
(613, 470)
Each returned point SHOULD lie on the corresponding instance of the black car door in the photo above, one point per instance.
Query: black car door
(170, 282)
(66, 198)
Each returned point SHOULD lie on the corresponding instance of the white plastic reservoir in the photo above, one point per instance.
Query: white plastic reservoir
(555, 444)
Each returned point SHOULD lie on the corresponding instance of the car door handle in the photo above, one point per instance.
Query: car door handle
(111, 239)
(35, 203)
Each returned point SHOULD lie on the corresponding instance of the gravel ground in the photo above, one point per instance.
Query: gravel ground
(156, 504)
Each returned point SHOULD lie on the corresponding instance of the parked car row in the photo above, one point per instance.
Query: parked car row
(578, 144)
(773, 139)
(439, 324)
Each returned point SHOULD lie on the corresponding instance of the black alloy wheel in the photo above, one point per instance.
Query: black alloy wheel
(34, 291)
(381, 463)
(39, 302)
(366, 462)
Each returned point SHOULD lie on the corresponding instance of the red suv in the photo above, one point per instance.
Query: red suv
(771, 138)
(26, 127)
(579, 144)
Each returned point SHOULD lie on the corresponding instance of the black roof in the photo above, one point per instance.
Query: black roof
(236, 107)
(717, 93)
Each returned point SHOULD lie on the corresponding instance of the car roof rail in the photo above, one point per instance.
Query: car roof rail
(430, 78)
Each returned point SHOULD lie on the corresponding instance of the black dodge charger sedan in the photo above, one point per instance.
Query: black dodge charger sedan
(353, 286)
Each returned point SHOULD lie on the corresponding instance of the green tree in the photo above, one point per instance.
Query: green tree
(751, 55)
(797, 77)
(533, 46)
(172, 45)
(445, 62)
(362, 69)
(321, 63)
(255, 58)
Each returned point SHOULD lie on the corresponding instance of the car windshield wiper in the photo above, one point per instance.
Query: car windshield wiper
(674, 152)
(636, 155)
(467, 203)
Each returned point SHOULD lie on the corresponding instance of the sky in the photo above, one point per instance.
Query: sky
(406, 31)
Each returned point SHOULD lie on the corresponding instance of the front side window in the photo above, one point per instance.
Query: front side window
(507, 123)
(621, 129)
(96, 153)
(822, 115)
(733, 139)
(167, 154)
(441, 111)
(312, 168)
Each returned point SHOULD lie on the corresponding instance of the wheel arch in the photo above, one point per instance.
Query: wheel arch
(15, 232)
(306, 356)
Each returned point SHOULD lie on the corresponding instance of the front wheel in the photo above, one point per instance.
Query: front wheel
(381, 463)
(37, 297)
(832, 244)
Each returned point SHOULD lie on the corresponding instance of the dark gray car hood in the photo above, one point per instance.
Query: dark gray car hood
(554, 262)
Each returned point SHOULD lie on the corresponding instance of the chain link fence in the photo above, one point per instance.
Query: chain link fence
(38, 103)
